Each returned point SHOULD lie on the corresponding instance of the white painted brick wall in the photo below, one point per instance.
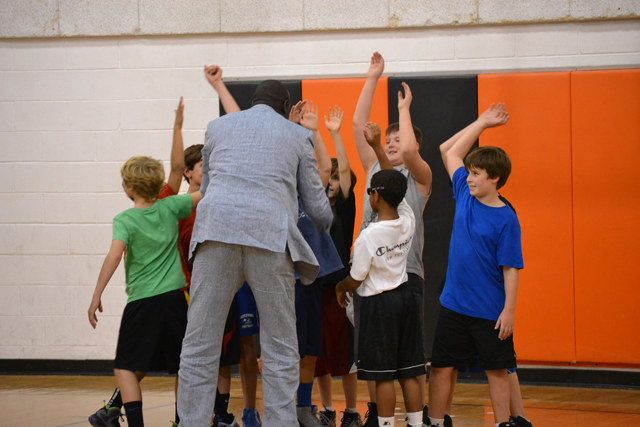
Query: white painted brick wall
(73, 110)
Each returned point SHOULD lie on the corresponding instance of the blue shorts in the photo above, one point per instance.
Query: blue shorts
(247, 312)
(309, 318)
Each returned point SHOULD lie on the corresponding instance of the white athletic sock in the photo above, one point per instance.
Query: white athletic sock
(385, 422)
(328, 408)
(435, 422)
(415, 418)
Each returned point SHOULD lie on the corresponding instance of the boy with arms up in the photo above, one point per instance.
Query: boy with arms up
(389, 344)
(155, 317)
(485, 254)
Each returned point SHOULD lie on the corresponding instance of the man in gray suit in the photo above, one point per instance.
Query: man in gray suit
(254, 164)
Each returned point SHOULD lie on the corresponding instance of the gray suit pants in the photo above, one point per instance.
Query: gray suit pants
(219, 270)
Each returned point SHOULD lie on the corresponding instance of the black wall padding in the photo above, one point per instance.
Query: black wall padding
(441, 107)
(243, 92)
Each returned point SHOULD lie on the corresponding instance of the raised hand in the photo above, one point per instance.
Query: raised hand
(404, 102)
(372, 134)
(309, 118)
(296, 112)
(496, 115)
(376, 67)
(334, 122)
(179, 114)
(213, 74)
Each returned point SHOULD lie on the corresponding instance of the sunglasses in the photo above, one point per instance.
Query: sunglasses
(371, 190)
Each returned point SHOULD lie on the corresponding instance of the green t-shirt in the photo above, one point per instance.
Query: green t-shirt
(152, 262)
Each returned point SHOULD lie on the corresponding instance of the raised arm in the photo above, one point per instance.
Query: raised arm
(363, 111)
(309, 121)
(372, 136)
(177, 151)
(213, 73)
(111, 262)
(496, 115)
(333, 124)
(409, 148)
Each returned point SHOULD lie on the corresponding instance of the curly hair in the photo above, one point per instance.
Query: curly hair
(145, 175)
(391, 185)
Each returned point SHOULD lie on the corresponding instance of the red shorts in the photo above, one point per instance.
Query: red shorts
(337, 337)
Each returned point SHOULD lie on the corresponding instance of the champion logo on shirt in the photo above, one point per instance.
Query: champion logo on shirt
(403, 246)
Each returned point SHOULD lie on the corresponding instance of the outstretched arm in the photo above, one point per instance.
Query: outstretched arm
(506, 320)
(213, 73)
(333, 124)
(372, 136)
(309, 120)
(111, 262)
(409, 149)
(177, 151)
(363, 111)
(496, 115)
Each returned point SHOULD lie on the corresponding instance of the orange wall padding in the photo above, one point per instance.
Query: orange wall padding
(345, 93)
(606, 160)
(538, 140)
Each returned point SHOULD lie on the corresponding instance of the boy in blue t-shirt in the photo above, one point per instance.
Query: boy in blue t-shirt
(485, 255)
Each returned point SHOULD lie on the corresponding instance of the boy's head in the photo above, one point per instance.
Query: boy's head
(390, 186)
(193, 164)
(144, 175)
(493, 160)
(275, 95)
(334, 182)
(392, 144)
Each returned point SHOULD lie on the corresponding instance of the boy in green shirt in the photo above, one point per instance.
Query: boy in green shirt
(155, 317)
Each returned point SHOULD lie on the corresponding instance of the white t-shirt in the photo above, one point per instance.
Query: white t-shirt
(380, 253)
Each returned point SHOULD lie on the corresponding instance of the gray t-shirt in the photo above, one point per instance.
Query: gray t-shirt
(417, 201)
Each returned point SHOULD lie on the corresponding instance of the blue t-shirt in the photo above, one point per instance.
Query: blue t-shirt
(483, 240)
(321, 244)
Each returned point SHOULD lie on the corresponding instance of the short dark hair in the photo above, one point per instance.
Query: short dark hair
(491, 159)
(395, 127)
(335, 171)
(274, 94)
(192, 155)
(392, 184)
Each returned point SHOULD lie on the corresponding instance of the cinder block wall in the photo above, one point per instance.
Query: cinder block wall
(86, 85)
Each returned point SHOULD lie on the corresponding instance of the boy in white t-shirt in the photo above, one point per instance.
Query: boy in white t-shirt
(390, 337)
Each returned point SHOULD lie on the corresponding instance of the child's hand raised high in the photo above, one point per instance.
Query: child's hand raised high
(334, 122)
(496, 115)
(213, 74)
(310, 117)
(372, 134)
(376, 67)
(404, 102)
(179, 115)
(296, 112)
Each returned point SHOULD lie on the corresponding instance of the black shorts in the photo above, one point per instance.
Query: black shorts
(151, 333)
(309, 318)
(416, 283)
(230, 354)
(390, 336)
(460, 339)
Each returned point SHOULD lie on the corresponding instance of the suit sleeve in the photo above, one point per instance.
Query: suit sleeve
(206, 152)
(312, 195)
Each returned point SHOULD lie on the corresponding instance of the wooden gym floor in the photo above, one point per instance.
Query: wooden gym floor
(62, 401)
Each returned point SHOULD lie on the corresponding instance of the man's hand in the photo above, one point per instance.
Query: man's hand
(95, 305)
(309, 118)
(179, 115)
(406, 101)
(213, 73)
(372, 134)
(296, 112)
(496, 115)
(334, 122)
(376, 68)
(505, 323)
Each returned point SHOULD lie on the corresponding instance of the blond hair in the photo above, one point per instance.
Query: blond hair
(145, 175)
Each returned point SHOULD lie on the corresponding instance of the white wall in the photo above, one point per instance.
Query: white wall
(72, 110)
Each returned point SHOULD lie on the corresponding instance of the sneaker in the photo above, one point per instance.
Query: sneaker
(307, 416)
(233, 423)
(371, 417)
(351, 419)
(106, 417)
(448, 422)
(251, 418)
(520, 422)
(507, 424)
(327, 418)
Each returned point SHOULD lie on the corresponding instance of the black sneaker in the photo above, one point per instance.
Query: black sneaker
(448, 422)
(327, 418)
(371, 417)
(507, 424)
(106, 417)
(351, 419)
(520, 422)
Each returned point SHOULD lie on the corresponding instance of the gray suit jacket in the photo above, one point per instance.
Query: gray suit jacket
(254, 163)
